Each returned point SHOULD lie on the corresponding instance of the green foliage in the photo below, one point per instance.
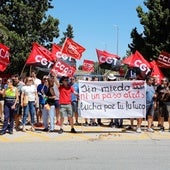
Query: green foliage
(68, 33)
(23, 22)
(156, 24)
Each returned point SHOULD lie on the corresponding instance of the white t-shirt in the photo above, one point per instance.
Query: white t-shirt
(30, 91)
(37, 81)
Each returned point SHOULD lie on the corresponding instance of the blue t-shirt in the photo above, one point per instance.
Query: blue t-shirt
(76, 89)
(150, 91)
(42, 90)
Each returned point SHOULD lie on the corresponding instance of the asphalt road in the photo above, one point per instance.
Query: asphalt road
(92, 148)
(86, 155)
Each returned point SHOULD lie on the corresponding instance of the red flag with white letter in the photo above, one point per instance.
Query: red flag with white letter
(164, 60)
(88, 66)
(137, 61)
(40, 56)
(4, 57)
(73, 49)
(63, 69)
(58, 55)
(108, 61)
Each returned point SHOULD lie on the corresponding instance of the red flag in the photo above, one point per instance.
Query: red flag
(63, 69)
(4, 57)
(73, 49)
(156, 72)
(112, 55)
(128, 60)
(137, 60)
(40, 56)
(108, 60)
(164, 60)
(58, 55)
(88, 66)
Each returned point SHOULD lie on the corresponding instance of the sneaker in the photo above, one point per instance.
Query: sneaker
(45, 130)
(129, 128)
(73, 130)
(60, 131)
(150, 130)
(94, 124)
(138, 130)
(24, 129)
(85, 124)
(17, 128)
(159, 125)
(51, 131)
(32, 129)
(10, 132)
(100, 124)
(76, 123)
(162, 129)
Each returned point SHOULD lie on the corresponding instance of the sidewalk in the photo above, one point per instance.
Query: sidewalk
(88, 133)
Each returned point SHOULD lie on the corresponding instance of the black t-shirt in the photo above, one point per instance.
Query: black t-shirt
(50, 101)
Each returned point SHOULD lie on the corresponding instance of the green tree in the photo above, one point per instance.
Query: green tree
(68, 33)
(24, 22)
(156, 25)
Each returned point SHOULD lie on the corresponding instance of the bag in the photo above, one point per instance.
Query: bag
(25, 101)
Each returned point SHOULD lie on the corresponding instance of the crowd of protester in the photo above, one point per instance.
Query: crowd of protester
(47, 102)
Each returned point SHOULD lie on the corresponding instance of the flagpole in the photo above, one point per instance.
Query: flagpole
(23, 69)
(63, 44)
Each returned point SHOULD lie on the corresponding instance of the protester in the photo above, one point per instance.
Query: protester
(41, 90)
(162, 89)
(92, 121)
(36, 81)
(118, 123)
(18, 110)
(74, 98)
(150, 96)
(57, 94)
(10, 98)
(65, 103)
(29, 98)
(49, 107)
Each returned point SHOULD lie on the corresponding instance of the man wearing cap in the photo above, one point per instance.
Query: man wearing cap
(117, 122)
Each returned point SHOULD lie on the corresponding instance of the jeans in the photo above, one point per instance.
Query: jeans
(51, 114)
(8, 116)
(29, 108)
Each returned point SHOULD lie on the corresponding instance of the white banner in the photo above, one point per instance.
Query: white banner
(112, 99)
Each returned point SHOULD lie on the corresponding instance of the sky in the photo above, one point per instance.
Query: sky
(98, 24)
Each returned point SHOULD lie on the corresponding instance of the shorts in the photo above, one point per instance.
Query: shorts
(66, 110)
(150, 109)
(56, 104)
(162, 109)
(167, 108)
(74, 106)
